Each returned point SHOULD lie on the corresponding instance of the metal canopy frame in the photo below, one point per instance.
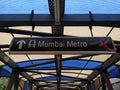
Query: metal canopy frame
(110, 20)
(57, 19)
(8, 61)
(110, 61)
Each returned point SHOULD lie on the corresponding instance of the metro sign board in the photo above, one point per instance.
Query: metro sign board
(62, 45)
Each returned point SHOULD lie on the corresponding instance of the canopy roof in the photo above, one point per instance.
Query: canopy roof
(76, 20)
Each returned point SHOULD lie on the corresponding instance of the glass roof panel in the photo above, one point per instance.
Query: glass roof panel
(85, 58)
(100, 31)
(47, 78)
(74, 63)
(77, 83)
(18, 58)
(118, 63)
(92, 65)
(33, 57)
(44, 66)
(1, 63)
(77, 31)
(115, 34)
(96, 6)
(67, 78)
(87, 71)
(42, 83)
(83, 76)
(24, 6)
(22, 64)
(43, 29)
(31, 74)
(37, 76)
(7, 68)
(5, 38)
(80, 64)
(69, 74)
(27, 28)
(19, 35)
(68, 56)
(72, 71)
(36, 29)
(44, 75)
(100, 58)
(48, 71)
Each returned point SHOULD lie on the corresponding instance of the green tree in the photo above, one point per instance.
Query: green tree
(4, 82)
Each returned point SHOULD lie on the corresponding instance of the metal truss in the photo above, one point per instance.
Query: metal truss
(110, 61)
(51, 6)
(8, 61)
(57, 19)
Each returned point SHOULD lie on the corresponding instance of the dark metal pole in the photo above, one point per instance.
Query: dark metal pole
(80, 88)
(16, 83)
(89, 86)
(58, 31)
(8, 61)
(38, 88)
(11, 81)
(58, 59)
(103, 82)
(85, 88)
(92, 85)
(30, 86)
(106, 78)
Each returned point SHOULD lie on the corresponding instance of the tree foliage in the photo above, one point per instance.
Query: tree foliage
(4, 82)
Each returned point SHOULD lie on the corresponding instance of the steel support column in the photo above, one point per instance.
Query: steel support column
(8, 61)
(89, 86)
(58, 67)
(106, 78)
(110, 61)
(38, 88)
(30, 86)
(92, 85)
(57, 30)
(80, 88)
(16, 83)
(103, 82)
(11, 80)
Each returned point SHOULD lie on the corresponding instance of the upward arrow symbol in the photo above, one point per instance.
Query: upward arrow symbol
(21, 42)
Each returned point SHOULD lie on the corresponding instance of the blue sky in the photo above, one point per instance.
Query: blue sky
(72, 6)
